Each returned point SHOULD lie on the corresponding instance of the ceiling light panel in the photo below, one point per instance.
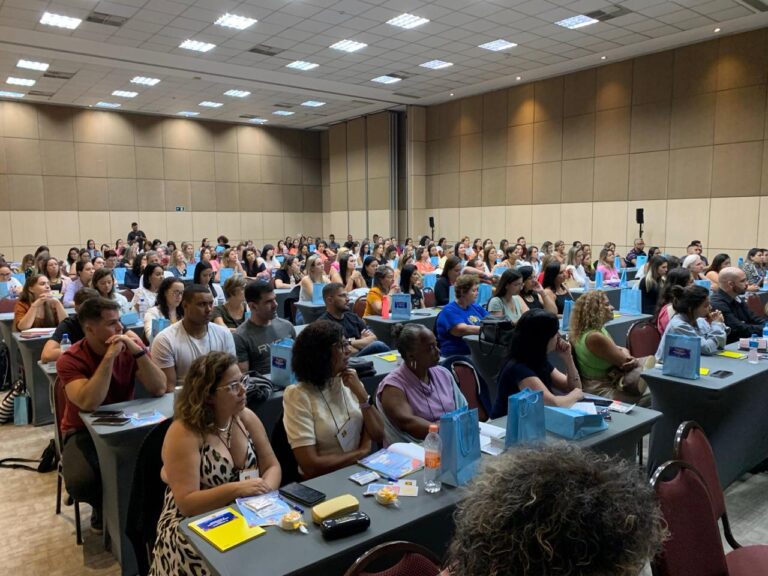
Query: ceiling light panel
(302, 65)
(497, 45)
(20, 81)
(235, 21)
(407, 21)
(32, 65)
(187, 113)
(258, 120)
(8, 94)
(108, 104)
(59, 21)
(313, 103)
(577, 22)
(386, 79)
(197, 46)
(436, 64)
(209, 104)
(348, 46)
(145, 80)
(283, 113)
(237, 93)
(125, 94)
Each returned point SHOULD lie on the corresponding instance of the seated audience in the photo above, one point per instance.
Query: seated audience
(753, 268)
(328, 416)
(741, 321)
(652, 283)
(559, 252)
(637, 250)
(383, 286)
(451, 271)
(712, 273)
(99, 369)
(507, 302)
(664, 310)
(212, 441)
(411, 283)
(315, 274)
(419, 391)
(606, 265)
(556, 510)
(178, 266)
(362, 340)
(98, 263)
(575, 267)
(252, 268)
(534, 296)
(188, 250)
(176, 347)
(268, 258)
(58, 280)
(84, 275)
(230, 260)
(553, 284)
(232, 312)
(346, 274)
(460, 318)
(69, 326)
(167, 306)
(695, 318)
(206, 255)
(72, 257)
(104, 282)
(423, 263)
(150, 283)
(370, 264)
(289, 274)
(535, 336)
(6, 275)
(36, 308)
(254, 336)
(204, 275)
(695, 266)
(133, 274)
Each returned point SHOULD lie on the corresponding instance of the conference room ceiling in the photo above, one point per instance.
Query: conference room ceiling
(118, 40)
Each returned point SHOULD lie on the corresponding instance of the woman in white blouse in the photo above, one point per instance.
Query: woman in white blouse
(150, 283)
(575, 266)
(167, 306)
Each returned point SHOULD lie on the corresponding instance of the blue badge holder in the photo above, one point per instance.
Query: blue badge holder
(572, 424)
(682, 356)
(460, 438)
(525, 418)
(401, 307)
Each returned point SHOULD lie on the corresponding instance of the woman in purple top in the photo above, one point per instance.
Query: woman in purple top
(417, 393)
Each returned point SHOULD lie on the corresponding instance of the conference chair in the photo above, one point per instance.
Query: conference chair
(359, 306)
(429, 297)
(470, 383)
(643, 339)
(694, 546)
(7, 305)
(58, 400)
(284, 453)
(754, 304)
(412, 560)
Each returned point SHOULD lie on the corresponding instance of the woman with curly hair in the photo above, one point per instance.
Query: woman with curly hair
(329, 418)
(212, 440)
(606, 369)
(556, 510)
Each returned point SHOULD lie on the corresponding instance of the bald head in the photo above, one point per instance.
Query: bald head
(732, 281)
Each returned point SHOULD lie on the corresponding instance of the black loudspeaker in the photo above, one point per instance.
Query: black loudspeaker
(431, 221)
(639, 216)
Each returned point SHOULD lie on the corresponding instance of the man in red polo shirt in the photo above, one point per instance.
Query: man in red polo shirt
(99, 369)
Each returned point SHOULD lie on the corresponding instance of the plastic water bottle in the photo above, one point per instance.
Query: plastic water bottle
(142, 307)
(740, 262)
(66, 343)
(765, 332)
(432, 449)
(752, 357)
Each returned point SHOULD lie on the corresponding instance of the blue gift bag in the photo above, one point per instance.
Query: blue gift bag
(705, 283)
(640, 261)
(4, 289)
(312, 247)
(567, 308)
(435, 260)
(429, 280)
(682, 356)
(158, 325)
(22, 409)
(623, 278)
(630, 302)
(281, 353)
(220, 249)
(460, 437)
(525, 418)
(119, 274)
(317, 293)
(598, 279)
(617, 262)
(280, 259)
(129, 319)
(451, 294)
(401, 307)
(21, 277)
(499, 270)
(572, 424)
(225, 274)
(484, 293)
(189, 271)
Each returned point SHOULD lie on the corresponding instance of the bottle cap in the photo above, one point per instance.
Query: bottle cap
(65, 335)
(433, 428)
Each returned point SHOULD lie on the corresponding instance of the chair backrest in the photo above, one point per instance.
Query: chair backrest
(643, 339)
(414, 560)
(694, 545)
(429, 297)
(7, 305)
(128, 293)
(59, 399)
(691, 446)
(359, 306)
(289, 309)
(147, 495)
(754, 304)
(471, 384)
(284, 454)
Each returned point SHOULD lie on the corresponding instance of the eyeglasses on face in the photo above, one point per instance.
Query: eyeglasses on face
(244, 381)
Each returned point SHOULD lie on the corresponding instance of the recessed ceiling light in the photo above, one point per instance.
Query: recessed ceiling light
(348, 46)
(108, 104)
(32, 65)
(258, 120)
(313, 103)
(144, 80)
(518, 78)
(436, 64)
(386, 79)
(235, 21)
(50, 19)
(451, 94)
(407, 21)
(237, 93)
(497, 45)
(603, 57)
(125, 94)
(8, 94)
(187, 113)
(20, 81)
(283, 113)
(576, 22)
(302, 65)
(209, 104)
(197, 46)
(716, 30)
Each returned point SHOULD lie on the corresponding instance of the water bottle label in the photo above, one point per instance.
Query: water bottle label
(432, 460)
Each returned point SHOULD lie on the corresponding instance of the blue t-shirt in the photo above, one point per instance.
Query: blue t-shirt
(509, 383)
(449, 317)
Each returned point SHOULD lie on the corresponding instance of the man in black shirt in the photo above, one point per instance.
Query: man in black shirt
(737, 315)
(135, 234)
(69, 326)
(362, 340)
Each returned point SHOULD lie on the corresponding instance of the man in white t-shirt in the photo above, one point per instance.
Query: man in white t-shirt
(175, 348)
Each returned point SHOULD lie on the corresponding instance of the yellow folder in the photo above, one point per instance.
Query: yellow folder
(225, 529)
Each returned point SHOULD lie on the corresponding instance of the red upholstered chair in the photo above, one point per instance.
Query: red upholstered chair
(415, 560)
(754, 304)
(7, 305)
(469, 384)
(694, 547)
(643, 339)
(429, 297)
(359, 306)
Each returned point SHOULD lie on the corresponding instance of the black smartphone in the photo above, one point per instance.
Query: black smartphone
(103, 413)
(112, 421)
(302, 494)
(721, 374)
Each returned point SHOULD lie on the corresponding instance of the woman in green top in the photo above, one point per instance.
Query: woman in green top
(507, 303)
(605, 368)
(233, 312)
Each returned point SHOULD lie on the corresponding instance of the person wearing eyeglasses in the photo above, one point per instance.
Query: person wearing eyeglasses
(6, 275)
(215, 451)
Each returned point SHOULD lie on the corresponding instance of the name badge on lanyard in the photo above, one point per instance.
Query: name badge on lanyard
(349, 434)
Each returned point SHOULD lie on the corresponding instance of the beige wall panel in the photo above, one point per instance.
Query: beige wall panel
(494, 186)
(58, 158)
(494, 223)
(155, 221)
(176, 164)
(547, 183)
(313, 198)
(740, 114)
(338, 225)
(520, 105)
(356, 194)
(91, 160)
(519, 222)
(470, 188)
(121, 161)
(271, 169)
(227, 197)
(762, 227)
(432, 156)
(92, 194)
(519, 184)
(355, 149)
(327, 223)
(547, 141)
(249, 140)
(578, 180)
(448, 185)
(608, 223)
(471, 119)
(655, 227)
(650, 127)
(271, 142)
(743, 59)
(247, 167)
(447, 223)
(149, 163)
(90, 126)
(6, 237)
(417, 123)
(148, 131)
(648, 175)
(151, 195)
(378, 135)
(5, 200)
(22, 156)
(95, 225)
(690, 172)
(338, 195)
(612, 130)
(252, 225)
(26, 229)
(273, 197)
(580, 91)
(118, 129)
(292, 169)
(179, 193)
(764, 179)
(579, 137)
(494, 110)
(19, 120)
(736, 169)
(520, 145)
(545, 224)
(696, 69)
(432, 192)
(686, 219)
(55, 123)
(202, 197)
(725, 214)
(471, 154)
(60, 193)
(450, 116)
(310, 172)
(3, 165)
(292, 221)
(449, 155)
(417, 158)
(494, 148)
(25, 192)
(614, 85)
(60, 228)
(251, 197)
(576, 221)
(122, 194)
(204, 225)
(548, 100)
(433, 128)
(293, 199)
(358, 224)
(228, 223)
(378, 193)
(201, 165)
(120, 224)
(471, 221)
(179, 228)
(611, 178)
(379, 222)
(693, 121)
(653, 77)
(224, 137)
(419, 222)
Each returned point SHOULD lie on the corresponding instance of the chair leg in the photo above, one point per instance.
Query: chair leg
(640, 452)
(78, 531)
(58, 493)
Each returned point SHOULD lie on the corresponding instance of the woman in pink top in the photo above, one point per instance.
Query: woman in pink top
(664, 311)
(423, 263)
(605, 264)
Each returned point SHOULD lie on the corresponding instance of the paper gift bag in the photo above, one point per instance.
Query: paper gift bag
(682, 356)
(704, 283)
(525, 418)
(623, 278)
(429, 280)
(484, 293)
(317, 293)
(119, 274)
(434, 260)
(617, 262)
(401, 307)
(129, 319)
(281, 353)
(225, 274)
(158, 325)
(460, 437)
(4, 289)
(640, 261)
(599, 279)
(630, 302)
(572, 424)
(567, 308)
(22, 409)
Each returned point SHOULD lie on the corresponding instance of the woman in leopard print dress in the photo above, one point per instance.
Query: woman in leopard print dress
(212, 442)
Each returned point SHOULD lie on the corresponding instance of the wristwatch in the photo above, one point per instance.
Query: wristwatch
(368, 402)
(140, 353)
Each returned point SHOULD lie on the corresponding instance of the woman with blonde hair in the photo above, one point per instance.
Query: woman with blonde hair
(315, 273)
(607, 266)
(230, 259)
(178, 265)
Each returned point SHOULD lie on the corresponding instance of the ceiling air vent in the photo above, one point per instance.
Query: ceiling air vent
(361, 103)
(406, 95)
(40, 93)
(613, 11)
(58, 75)
(265, 50)
(755, 5)
(248, 116)
(107, 19)
(283, 105)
